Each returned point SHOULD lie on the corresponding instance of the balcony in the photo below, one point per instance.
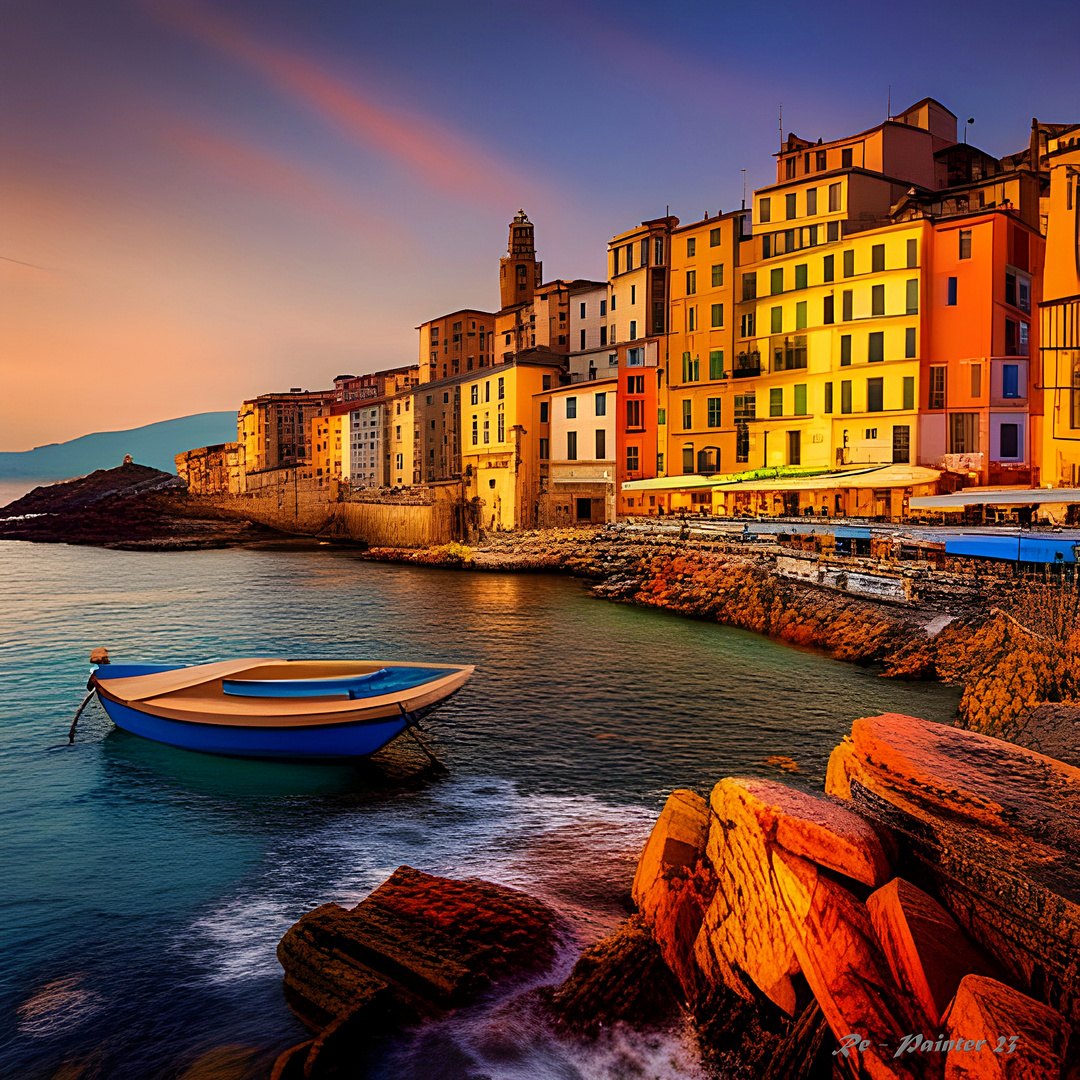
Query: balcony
(747, 365)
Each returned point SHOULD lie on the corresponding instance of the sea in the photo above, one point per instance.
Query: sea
(144, 889)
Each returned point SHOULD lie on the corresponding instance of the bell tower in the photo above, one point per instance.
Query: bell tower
(519, 272)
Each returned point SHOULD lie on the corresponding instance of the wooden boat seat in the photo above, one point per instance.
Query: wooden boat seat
(373, 684)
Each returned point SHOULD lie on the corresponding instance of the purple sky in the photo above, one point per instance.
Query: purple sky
(202, 202)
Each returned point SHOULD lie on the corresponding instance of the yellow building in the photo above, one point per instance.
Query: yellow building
(1060, 315)
(401, 440)
(500, 445)
(328, 434)
(274, 428)
(696, 426)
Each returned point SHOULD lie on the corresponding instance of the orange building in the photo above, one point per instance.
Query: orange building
(456, 343)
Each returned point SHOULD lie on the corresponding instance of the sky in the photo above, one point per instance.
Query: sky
(205, 201)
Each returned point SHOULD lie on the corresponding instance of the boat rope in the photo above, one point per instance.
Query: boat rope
(412, 727)
(78, 713)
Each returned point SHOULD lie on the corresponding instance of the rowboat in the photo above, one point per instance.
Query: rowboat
(267, 708)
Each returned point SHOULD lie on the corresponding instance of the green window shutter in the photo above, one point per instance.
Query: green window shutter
(714, 412)
(800, 315)
(776, 280)
(909, 391)
(828, 397)
(800, 276)
(845, 396)
(685, 367)
(777, 320)
(913, 296)
(800, 399)
(845, 350)
(776, 401)
(718, 315)
(716, 364)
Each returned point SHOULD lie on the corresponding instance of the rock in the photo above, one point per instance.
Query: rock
(416, 947)
(994, 828)
(744, 927)
(621, 978)
(987, 1012)
(927, 952)
(830, 933)
(672, 887)
(1051, 729)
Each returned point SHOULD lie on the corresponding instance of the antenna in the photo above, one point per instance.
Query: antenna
(743, 171)
(970, 120)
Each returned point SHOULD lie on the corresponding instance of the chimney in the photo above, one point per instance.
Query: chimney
(1033, 146)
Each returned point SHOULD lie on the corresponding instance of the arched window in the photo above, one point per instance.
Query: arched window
(688, 458)
(708, 460)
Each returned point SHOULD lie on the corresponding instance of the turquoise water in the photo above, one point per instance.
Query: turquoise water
(144, 889)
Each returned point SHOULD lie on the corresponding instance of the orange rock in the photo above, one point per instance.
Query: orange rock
(834, 942)
(927, 952)
(671, 886)
(984, 1017)
(743, 929)
(996, 827)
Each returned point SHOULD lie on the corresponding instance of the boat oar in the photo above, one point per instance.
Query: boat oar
(85, 702)
(412, 727)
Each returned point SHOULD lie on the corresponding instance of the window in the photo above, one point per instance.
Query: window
(742, 444)
(820, 155)
(633, 414)
(1010, 441)
(487, 391)
(789, 206)
(764, 210)
(776, 401)
(909, 343)
(691, 282)
(963, 433)
(748, 325)
(845, 350)
(875, 352)
(832, 229)
(603, 308)
(877, 300)
(776, 280)
(690, 368)
(828, 268)
(600, 405)
(633, 329)
(716, 364)
(661, 416)
(631, 459)
(845, 158)
(502, 387)
(544, 451)
(582, 345)
(1023, 289)
(834, 203)
(794, 447)
(474, 435)
(800, 315)
(848, 305)
(828, 313)
(965, 243)
(613, 358)
(399, 460)
(828, 397)
(800, 276)
(976, 380)
(717, 315)
(875, 395)
(777, 316)
(912, 254)
(811, 201)
(635, 357)
(501, 429)
(745, 406)
(845, 396)
(691, 247)
(749, 286)
(951, 297)
(687, 414)
(633, 295)
(601, 444)
(688, 458)
(571, 446)
(714, 238)
(936, 398)
(713, 412)
(645, 252)
(612, 301)
(583, 310)
(849, 264)
(658, 251)
(877, 258)
(543, 412)
(901, 444)
(800, 399)
(571, 408)
(603, 335)
(1010, 380)
(487, 430)
(909, 391)
(718, 275)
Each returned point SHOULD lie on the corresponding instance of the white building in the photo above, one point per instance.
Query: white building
(365, 447)
(590, 357)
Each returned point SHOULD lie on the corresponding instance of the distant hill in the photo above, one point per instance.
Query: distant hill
(155, 445)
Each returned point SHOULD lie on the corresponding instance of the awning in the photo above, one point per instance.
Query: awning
(995, 497)
(1038, 548)
(874, 476)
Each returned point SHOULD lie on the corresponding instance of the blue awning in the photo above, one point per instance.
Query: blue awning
(1043, 549)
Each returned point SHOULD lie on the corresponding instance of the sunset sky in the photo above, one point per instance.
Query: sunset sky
(200, 202)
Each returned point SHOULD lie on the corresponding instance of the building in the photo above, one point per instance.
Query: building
(363, 465)
(590, 356)
(456, 343)
(274, 428)
(1059, 314)
(577, 453)
(329, 448)
(213, 470)
(638, 290)
(696, 416)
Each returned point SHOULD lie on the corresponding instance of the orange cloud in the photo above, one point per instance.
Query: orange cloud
(262, 171)
(430, 152)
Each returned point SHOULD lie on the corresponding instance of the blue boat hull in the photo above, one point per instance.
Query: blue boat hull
(314, 743)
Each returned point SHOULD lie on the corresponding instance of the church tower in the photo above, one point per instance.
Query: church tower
(519, 272)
